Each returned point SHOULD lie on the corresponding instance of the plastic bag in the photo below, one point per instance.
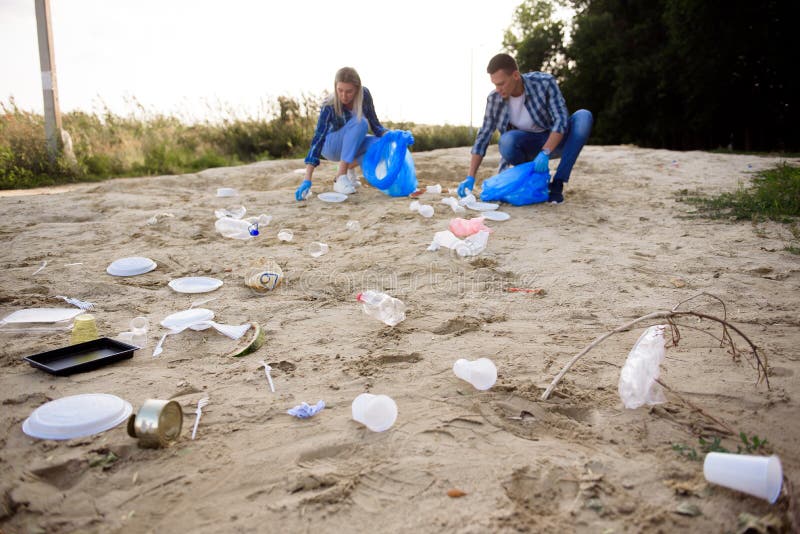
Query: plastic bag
(388, 164)
(518, 185)
(467, 227)
(637, 380)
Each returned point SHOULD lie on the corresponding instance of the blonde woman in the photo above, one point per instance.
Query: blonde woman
(341, 133)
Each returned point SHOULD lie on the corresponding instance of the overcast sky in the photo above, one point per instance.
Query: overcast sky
(186, 57)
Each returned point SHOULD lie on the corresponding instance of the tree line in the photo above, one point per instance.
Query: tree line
(677, 74)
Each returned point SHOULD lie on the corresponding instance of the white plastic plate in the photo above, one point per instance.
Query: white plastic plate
(332, 196)
(185, 318)
(41, 315)
(195, 284)
(131, 266)
(483, 206)
(496, 215)
(77, 416)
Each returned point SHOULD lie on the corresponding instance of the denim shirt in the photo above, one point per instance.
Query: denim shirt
(330, 122)
(543, 100)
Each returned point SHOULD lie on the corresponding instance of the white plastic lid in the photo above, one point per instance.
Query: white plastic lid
(332, 196)
(496, 215)
(131, 266)
(77, 416)
(195, 284)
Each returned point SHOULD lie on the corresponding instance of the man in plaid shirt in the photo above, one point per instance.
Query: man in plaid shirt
(531, 115)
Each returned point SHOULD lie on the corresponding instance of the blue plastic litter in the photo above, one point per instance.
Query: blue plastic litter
(304, 411)
(388, 165)
(519, 185)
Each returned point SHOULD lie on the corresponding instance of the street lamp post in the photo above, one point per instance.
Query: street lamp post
(52, 113)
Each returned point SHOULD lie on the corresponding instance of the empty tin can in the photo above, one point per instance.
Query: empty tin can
(157, 423)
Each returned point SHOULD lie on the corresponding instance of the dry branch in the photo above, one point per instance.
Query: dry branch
(670, 317)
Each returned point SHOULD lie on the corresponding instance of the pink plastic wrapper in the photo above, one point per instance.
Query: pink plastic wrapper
(468, 227)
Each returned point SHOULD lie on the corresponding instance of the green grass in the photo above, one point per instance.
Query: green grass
(748, 445)
(145, 143)
(774, 194)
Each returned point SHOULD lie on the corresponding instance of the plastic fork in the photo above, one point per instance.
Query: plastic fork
(200, 405)
(267, 369)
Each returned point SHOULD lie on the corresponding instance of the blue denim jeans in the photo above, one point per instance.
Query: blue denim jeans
(348, 142)
(517, 146)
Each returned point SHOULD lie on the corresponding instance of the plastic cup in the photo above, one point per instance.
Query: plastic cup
(435, 189)
(481, 373)
(426, 210)
(317, 249)
(84, 329)
(414, 205)
(139, 327)
(285, 234)
(759, 476)
(376, 412)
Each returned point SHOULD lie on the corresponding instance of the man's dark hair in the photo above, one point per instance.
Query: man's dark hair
(502, 62)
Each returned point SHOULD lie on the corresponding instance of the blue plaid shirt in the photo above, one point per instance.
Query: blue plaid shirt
(330, 122)
(543, 100)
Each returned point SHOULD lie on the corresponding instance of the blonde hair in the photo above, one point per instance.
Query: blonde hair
(348, 75)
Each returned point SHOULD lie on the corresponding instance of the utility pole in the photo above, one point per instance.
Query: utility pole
(52, 113)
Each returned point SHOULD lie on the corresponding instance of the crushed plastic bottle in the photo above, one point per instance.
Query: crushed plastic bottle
(383, 307)
(241, 228)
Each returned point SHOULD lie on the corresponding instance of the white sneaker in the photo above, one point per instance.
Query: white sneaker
(351, 175)
(343, 185)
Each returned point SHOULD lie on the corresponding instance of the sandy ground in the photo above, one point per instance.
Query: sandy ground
(621, 246)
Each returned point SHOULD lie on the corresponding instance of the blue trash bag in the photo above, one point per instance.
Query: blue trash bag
(519, 185)
(388, 165)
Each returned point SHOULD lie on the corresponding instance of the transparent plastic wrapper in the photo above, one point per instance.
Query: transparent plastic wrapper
(637, 380)
(519, 185)
(383, 307)
(467, 227)
(388, 164)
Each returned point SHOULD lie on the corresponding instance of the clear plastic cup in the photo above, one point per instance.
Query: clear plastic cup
(426, 210)
(481, 373)
(414, 205)
(759, 476)
(284, 234)
(435, 189)
(376, 412)
(317, 249)
(139, 327)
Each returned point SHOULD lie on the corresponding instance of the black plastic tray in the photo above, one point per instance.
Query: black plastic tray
(81, 357)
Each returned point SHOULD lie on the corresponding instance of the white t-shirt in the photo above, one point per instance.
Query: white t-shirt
(519, 116)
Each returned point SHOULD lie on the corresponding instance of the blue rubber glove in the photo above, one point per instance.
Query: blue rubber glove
(302, 191)
(542, 161)
(469, 183)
